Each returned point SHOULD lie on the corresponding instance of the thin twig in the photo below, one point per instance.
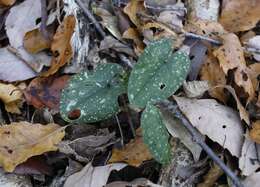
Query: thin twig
(44, 17)
(197, 137)
(91, 17)
(200, 37)
(120, 130)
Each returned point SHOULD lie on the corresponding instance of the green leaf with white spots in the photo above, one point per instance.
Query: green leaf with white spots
(158, 73)
(155, 134)
(92, 95)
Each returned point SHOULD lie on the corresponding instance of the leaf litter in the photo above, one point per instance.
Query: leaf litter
(82, 85)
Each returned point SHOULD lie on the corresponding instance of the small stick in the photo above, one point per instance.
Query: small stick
(197, 137)
(91, 17)
(120, 130)
(44, 17)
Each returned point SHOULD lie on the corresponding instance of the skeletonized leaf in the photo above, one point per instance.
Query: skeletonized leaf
(158, 73)
(195, 89)
(20, 141)
(218, 122)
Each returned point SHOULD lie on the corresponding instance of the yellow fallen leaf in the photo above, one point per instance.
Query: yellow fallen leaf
(20, 141)
(254, 133)
(239, 15)
(134, 153)
(11, 96)
(231, 57)
(212, 73)
(7, 2)
(61, 48)
(132, 9)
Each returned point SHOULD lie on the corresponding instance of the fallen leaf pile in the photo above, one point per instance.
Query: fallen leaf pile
(102, 92)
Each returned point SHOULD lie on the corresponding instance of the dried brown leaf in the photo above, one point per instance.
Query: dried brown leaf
(254, 133)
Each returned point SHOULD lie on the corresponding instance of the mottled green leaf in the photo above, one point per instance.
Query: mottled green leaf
(93, 94)
(155, 134)
(158, 73)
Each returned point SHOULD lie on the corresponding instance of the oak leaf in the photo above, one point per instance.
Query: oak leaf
(231, 57)
(61, 47)
(22, 140)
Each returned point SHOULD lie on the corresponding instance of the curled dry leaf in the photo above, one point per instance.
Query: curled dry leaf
(61, 48)
(23, 140)
(133, 34)
(248, 162)
(231, 57)
(109, 21)
(12, 97)
(91, 176)
(212, 73)
(46, 91)
(134, 153)
(132, 9)
(7, 2)
(218, 122)
(195, 89)
(239, 15)
(254, 133)
(34, 41)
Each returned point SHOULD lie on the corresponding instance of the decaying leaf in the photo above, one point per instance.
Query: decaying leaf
(23, 140)
(212, 73)
(212, 176)
(254, 133)
(177, 130)
(252, 180)
(134, 153)
(21, 19)
(61, 48)
(132, 8)
(12, 97)
(46, 92)
(254, 71)
(109, 21)
(34, 41)
(231, 57)
(195, 89)
(254, 43)
(7, 2)
(248, 162)
(133, 34)
(218, 122)
(207, 28)
(239, 15)
(111, 43)
(204, 9)
(91, 176)
(135, 183)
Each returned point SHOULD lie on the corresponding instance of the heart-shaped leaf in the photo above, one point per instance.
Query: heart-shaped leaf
(155, 134)
(92, 95)
(158, 73)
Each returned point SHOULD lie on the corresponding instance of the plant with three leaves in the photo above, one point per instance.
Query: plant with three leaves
(155, 134)
(92, 95)
(158, 73)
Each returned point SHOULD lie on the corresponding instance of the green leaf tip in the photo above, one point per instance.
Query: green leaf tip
(158, 73)
(155, 134)
(93, 95)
